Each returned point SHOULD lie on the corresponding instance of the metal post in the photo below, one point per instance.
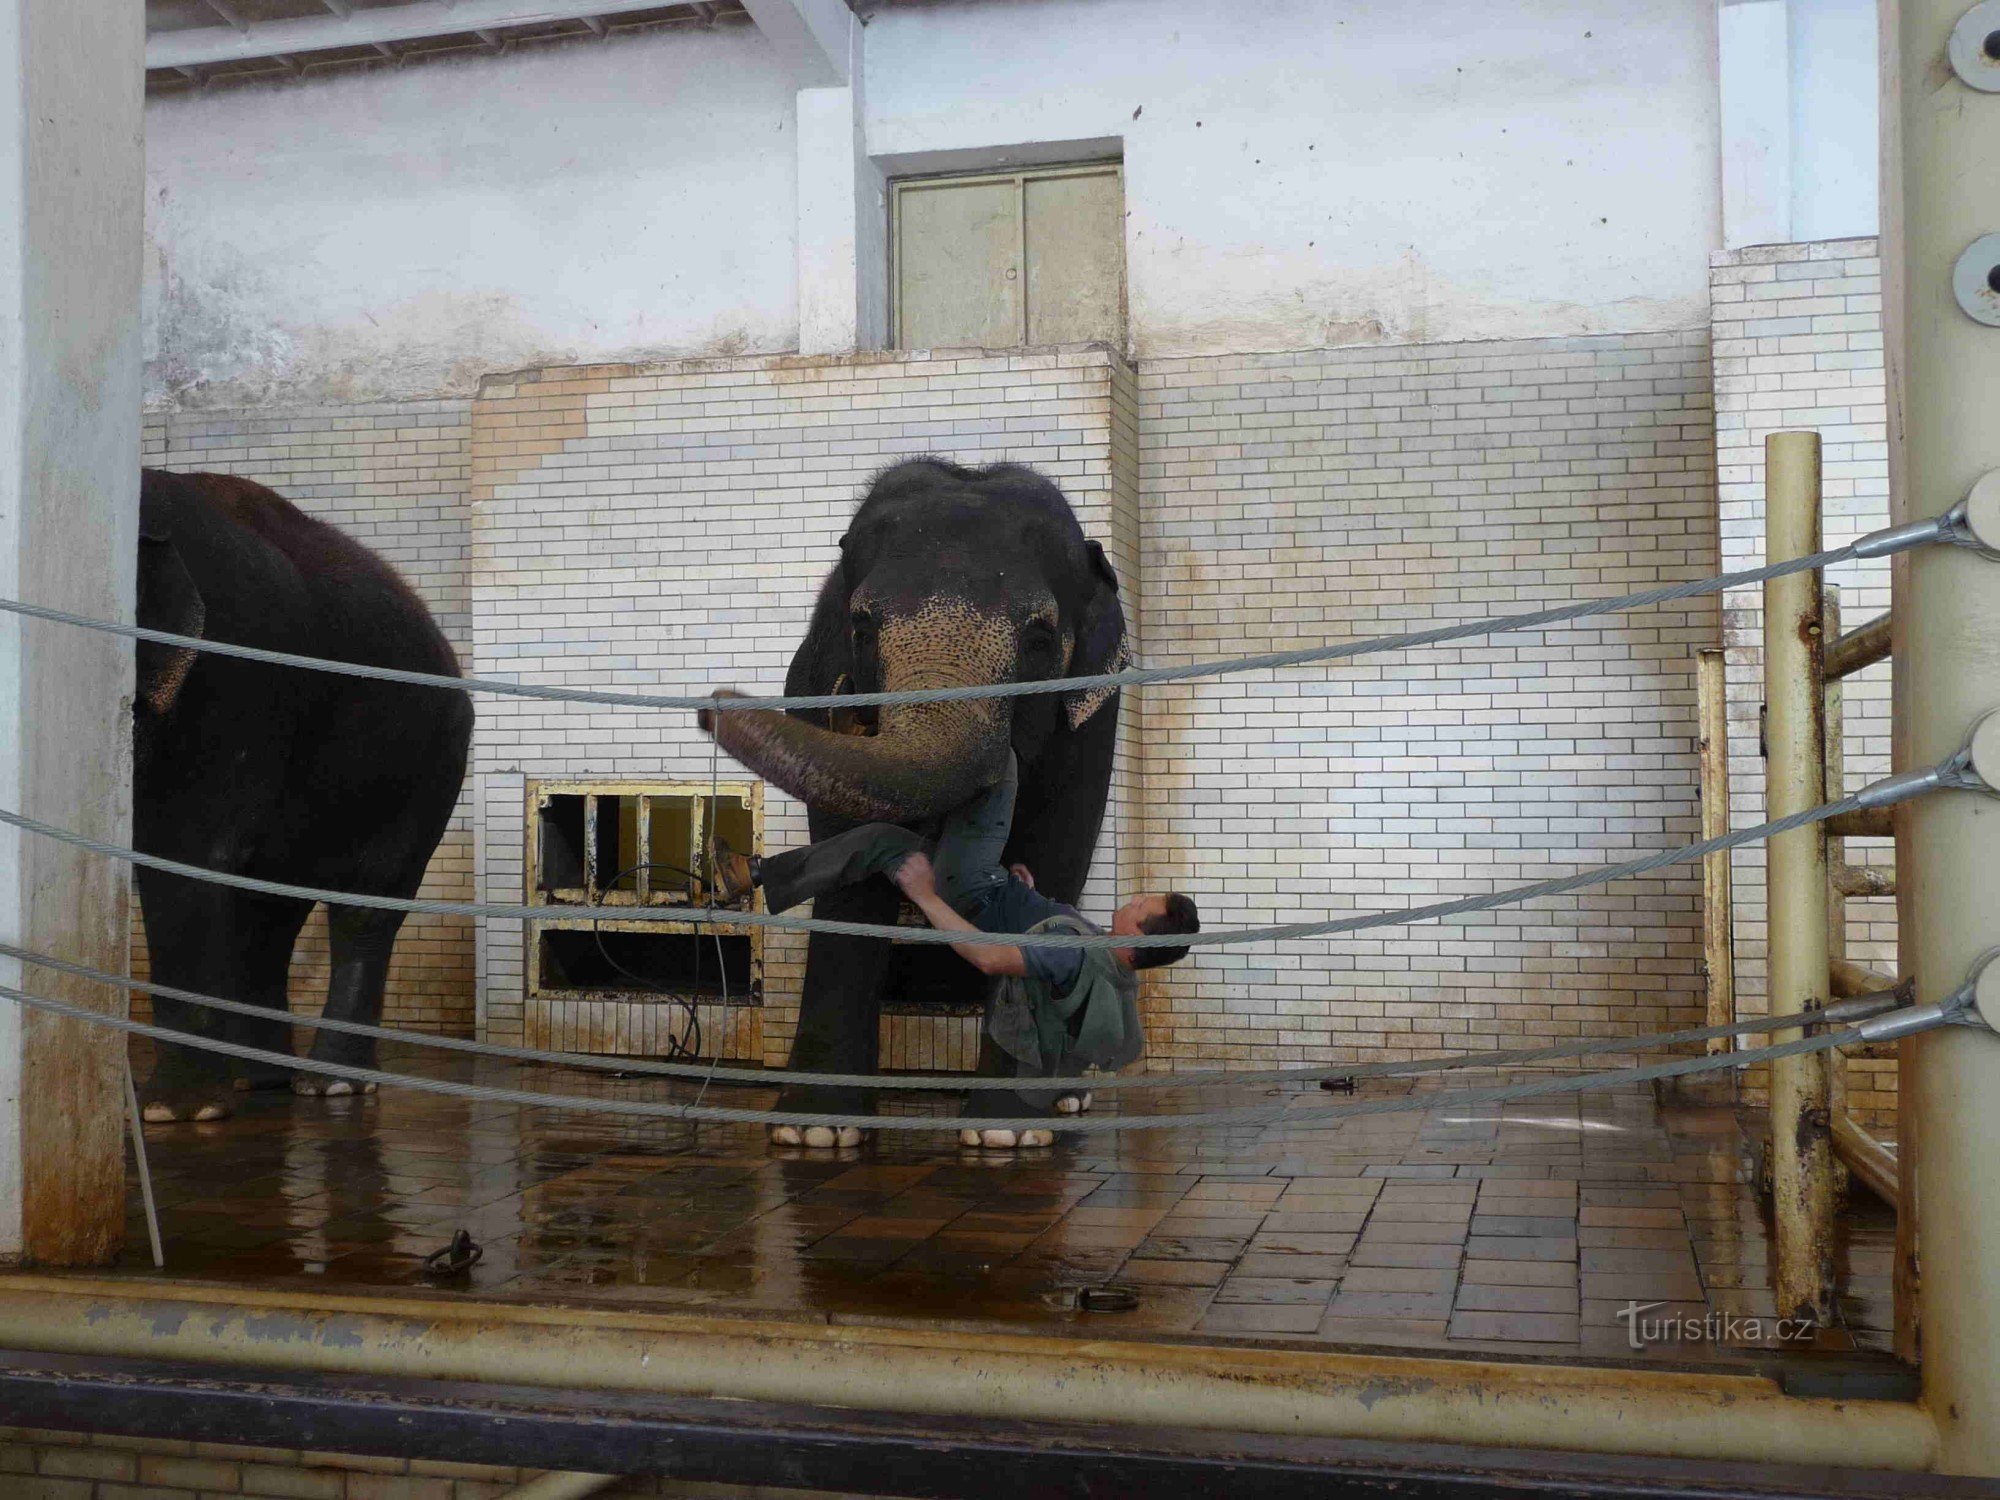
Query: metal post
(1944, 387)
(1801, 1140)
(1833, 748)
(1717, 896)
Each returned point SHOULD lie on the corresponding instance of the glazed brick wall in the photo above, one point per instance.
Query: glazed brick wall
(1298, 498)
(1798, 346)
(668, 528)
(391, 475)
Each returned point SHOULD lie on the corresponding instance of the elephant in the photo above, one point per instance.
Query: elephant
(282, 773)
(947, 576)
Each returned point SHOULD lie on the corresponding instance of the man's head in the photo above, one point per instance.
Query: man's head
(1171, 912)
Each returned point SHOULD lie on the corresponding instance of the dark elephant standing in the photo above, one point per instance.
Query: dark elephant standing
(282, 773)
(947, 576)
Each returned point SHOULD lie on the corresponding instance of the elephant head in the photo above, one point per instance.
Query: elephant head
(169, 600)
(947, 577)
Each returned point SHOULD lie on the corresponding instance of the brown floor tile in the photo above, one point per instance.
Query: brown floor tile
(1278, 1263)
(1526, 1327)
(1252, 1317)
(1175, 1272)
(1474, 1296)
(1514, 1224)
(1397, 1279)
(1274, 1289)
(1520, 1272)
(1348, 1304)
(1268, 1243)
(1520, 1247)
(1381, 1253)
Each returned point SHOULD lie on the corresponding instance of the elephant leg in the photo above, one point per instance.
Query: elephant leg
(362, 940)
(839, 1015)
(193, 941)
(267, 931)
(1002, 1104)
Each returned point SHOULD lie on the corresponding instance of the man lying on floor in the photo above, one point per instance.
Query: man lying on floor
(1057, 1011)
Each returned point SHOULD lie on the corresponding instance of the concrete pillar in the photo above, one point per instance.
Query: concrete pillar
(71, 195)
(843, 227)
(1941, 192)
(843, 202)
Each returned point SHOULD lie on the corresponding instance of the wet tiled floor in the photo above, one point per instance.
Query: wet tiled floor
(1522, 1229)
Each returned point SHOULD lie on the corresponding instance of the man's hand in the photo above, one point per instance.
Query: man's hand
(1023, 874)
(705, 717)
(915, 877)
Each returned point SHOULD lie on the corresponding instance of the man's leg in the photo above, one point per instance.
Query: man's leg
(845, 859)
(968, 860)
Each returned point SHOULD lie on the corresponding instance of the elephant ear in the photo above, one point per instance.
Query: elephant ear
(168, 600)
(824, 662)
(1100, 642)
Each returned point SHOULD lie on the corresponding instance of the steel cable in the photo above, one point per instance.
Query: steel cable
(917, 1082)
(1252, 1115)
(1876, 544)
(1881, 794)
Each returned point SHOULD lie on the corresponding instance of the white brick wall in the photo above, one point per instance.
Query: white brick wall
(669, 527)
(392, 475)
(1798, 346)
(1297, 498)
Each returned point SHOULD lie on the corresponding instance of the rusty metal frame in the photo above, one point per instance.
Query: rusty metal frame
(1132, 1383)
(817, 1447)
(623, 1016)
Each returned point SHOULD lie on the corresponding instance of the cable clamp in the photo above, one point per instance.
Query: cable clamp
(1976, 1002)
(1973, 767)
(1893, 539)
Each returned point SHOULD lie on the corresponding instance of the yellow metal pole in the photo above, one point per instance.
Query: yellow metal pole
(1801, 1140)
(970, 1371)
(1717, 916)
(1941, 194)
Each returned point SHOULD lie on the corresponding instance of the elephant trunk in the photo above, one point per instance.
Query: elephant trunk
(925, 758)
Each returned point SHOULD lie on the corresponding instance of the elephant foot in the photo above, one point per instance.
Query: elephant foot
(1005, 1140)
(258, 1077)
(319, 1086)
(1074, 1104)
(170, 1109)
(816, 1137)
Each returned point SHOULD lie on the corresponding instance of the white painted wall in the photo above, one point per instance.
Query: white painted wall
(1836, 147)
(1322, 172)
(402, 233)
(1800, 156)
(1304, 173)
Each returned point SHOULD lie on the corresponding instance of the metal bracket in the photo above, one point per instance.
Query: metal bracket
(1974, 522)
(1975, 280)
(1975, 47)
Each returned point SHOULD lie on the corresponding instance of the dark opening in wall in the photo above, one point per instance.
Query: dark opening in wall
(679, 964)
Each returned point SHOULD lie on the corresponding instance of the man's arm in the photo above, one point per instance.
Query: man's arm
(915, 877)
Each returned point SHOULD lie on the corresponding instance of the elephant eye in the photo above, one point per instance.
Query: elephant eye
(863, 623)
(1038, 640)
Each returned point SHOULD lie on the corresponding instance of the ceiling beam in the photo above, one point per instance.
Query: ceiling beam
(204, 45)
(813, 38)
